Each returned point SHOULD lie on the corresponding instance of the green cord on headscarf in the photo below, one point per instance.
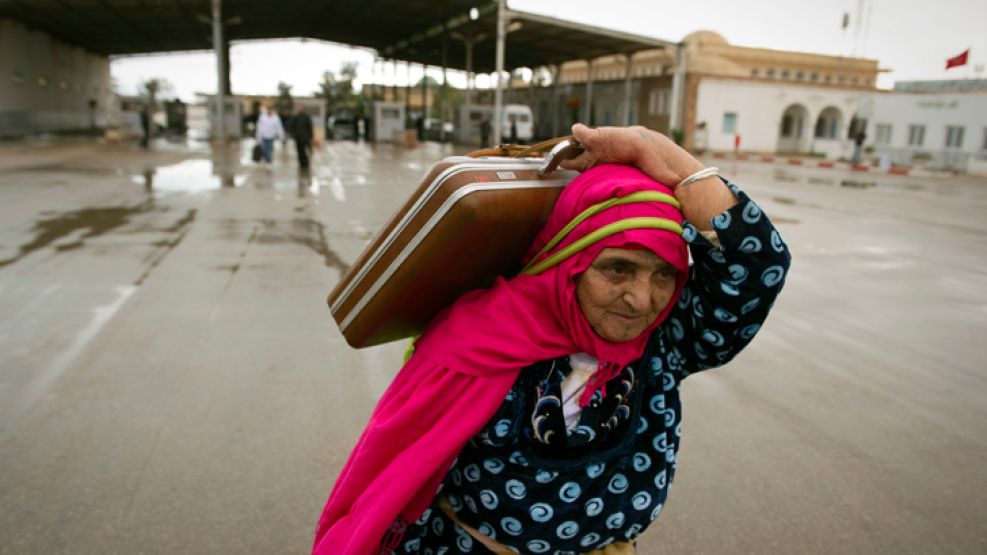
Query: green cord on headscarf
(602, 233)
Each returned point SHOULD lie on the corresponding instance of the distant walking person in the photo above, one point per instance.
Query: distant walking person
(700, 138)
(858, 143)
(302, 130)
(145, 127)
(269, 128)
(485, 132)
(514, 139)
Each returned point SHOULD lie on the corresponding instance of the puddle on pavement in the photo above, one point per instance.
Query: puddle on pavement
(857, 184)
(862, 182)
(73, 169)
(93, 221)
(189, 176)
(165, 246)
(68, 231)
(306, 232)
(782, 175)
(235, 267)
(789, 201)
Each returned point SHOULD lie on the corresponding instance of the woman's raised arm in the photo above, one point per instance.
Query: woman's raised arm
(660, 158)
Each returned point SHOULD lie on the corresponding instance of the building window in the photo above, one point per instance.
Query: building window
(771, 73)
(954, 136)
(853, 81)
(883, 134)
(754, 72)
(658, 102)
(829, 78)
(730, 122)
(916, 135)
(800, 76)
(840, 79)
(828, 124)
(814, 77)
(784, 74)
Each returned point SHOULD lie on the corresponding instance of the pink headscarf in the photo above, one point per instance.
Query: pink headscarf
(470, 356)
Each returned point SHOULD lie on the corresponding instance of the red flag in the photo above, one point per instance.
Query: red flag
(957, 61)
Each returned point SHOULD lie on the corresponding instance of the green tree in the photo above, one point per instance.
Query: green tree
(447, 97)
(347, 73)
(285, 103)
(430, 82)
(152, 89)
(338, 91)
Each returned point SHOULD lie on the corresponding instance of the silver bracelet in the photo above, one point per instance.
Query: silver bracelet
(701, 174)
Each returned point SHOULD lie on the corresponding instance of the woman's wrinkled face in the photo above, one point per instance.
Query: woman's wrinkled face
(623, 291)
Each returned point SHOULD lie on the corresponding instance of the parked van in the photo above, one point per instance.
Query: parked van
(520, 115)
(470, 116)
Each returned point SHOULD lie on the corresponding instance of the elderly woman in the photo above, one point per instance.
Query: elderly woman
(542, 415)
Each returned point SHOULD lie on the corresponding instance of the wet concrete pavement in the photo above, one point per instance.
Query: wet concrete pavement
(171, 380)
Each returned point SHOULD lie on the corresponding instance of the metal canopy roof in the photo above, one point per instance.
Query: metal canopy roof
(406, 30)
(532, 41)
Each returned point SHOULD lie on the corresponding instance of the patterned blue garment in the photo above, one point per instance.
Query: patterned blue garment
(537, 487)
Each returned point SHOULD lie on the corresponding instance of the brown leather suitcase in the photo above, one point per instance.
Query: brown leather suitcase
(470, 219)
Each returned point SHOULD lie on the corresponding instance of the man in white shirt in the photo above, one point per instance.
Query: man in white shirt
(269, 128)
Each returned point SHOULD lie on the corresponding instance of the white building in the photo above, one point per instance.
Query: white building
(935, 130)
(775, 101)
(775, 117)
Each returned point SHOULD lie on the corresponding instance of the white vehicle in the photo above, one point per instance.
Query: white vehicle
(470, 117)
(520, 115)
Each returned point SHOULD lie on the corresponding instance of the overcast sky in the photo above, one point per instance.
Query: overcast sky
(911, 38)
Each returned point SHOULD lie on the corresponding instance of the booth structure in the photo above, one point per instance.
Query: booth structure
(232, 117)
(388, 122)
(468, 120)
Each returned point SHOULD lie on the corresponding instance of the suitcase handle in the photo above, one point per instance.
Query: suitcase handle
(567, 149)
(554, 151)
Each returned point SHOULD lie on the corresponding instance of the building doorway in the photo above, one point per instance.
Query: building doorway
(828, 124)
(792, 132)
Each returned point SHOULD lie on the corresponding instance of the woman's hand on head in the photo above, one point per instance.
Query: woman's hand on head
(660, 159)
(651, 152)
